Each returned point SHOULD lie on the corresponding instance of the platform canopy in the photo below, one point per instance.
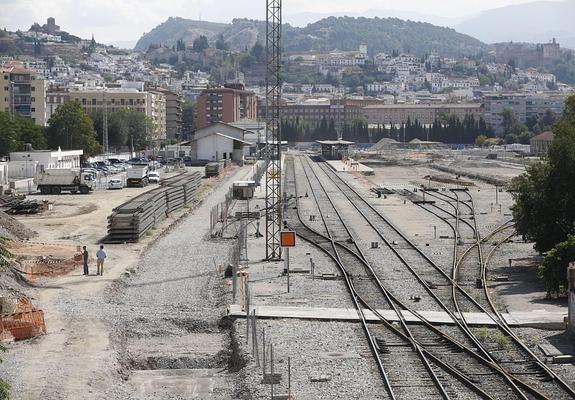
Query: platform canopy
(334, 149)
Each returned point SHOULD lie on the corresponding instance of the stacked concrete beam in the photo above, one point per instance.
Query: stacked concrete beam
(130, 221)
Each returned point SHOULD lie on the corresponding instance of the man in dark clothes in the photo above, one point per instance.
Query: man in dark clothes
(85, 255)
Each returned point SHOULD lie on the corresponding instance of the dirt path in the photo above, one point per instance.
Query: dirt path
(77, 359)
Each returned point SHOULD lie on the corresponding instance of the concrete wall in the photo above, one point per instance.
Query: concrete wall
(571, 277)
(213, 147)
(22, 169)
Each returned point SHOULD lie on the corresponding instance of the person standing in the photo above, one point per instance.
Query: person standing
(101, 256)
(85, 256)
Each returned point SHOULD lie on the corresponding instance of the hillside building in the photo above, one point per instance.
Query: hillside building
(228, 104)
(425, 114)
(539, 145)
(152, 104)
(523, 106)
(22, 92)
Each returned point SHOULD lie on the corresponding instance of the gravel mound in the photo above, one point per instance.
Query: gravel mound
(14, 229)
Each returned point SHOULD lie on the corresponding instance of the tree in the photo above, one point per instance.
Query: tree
(180, 45)
(544, 195)
(17, 131)
(258, 52)
(221, 43)
(553, 269)
(480, 140)
(70, 128)
(200, 44)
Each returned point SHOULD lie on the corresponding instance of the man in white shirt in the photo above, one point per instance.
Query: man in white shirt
(100, 256)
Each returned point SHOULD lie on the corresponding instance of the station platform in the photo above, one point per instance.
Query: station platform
(533, 319)
(350, 165)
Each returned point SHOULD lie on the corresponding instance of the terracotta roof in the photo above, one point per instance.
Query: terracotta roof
(545, 136)
(17, 69)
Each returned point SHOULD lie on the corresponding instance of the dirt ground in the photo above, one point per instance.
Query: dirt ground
(82, 349)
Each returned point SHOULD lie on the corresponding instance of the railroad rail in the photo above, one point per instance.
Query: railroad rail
(505, 383)
(519, 359)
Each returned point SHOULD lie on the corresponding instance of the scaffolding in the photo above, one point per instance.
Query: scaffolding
(273, 129)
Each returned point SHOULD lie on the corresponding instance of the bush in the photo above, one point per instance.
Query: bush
(502, 341)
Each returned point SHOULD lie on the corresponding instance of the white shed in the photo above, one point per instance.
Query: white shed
(50, 159)
(217, 146)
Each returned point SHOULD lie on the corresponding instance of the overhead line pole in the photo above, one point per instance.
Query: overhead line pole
(273, 129)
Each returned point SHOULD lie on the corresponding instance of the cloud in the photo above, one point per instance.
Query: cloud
(114, 20)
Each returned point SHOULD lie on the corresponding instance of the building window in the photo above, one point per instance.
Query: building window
(93, 102)
(6, 88)
(33, 89)
(32, 99)
(33, 109)
(84, 102)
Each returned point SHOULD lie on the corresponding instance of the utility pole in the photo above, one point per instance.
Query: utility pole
(273, 129)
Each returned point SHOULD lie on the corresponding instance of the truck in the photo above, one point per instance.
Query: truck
(138, 176)
(56, 181)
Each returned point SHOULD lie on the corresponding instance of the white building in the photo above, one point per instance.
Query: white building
(221, 141)
(49, 159)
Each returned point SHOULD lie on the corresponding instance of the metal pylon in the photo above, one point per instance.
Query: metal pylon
(273, 129)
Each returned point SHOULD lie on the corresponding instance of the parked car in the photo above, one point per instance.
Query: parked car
(115, 183)
(154, 177)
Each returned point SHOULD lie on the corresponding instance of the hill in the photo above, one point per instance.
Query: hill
(343, 33)
(535, 22)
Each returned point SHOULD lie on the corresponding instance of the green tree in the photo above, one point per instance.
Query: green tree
(545, 194)
(553, 269)
(70, 128)
(480, 140)
(180, 45)
(258, 52)
(200, 44)
(9, 137)
(17, 131)
(221, 43)
(31, 133)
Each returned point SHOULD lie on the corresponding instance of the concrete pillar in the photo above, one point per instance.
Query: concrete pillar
(571, 278)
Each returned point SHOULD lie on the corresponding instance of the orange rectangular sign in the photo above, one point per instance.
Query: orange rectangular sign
(287, 239)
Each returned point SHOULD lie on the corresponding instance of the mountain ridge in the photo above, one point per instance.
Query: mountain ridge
(344, 33)
(534, 22)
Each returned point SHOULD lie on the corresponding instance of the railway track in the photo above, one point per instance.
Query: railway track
(448, 362)
(507, 349)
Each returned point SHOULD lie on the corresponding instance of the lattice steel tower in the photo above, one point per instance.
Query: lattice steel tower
(273, 129)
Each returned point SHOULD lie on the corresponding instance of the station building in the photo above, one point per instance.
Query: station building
(335, 149)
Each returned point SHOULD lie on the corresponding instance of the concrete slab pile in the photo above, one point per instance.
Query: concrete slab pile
(130, 221)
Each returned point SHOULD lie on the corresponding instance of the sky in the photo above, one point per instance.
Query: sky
(126, 20)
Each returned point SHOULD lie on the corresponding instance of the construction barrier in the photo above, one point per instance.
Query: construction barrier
(25, 323)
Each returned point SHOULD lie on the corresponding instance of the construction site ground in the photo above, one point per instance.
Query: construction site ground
(101, 329)
(154, 326)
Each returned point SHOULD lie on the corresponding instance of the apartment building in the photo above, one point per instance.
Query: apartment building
(174, 103)
(23, 92)
(152, 104)
(426, 114)
(228, 104)
(524, 106)
(313, 113)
